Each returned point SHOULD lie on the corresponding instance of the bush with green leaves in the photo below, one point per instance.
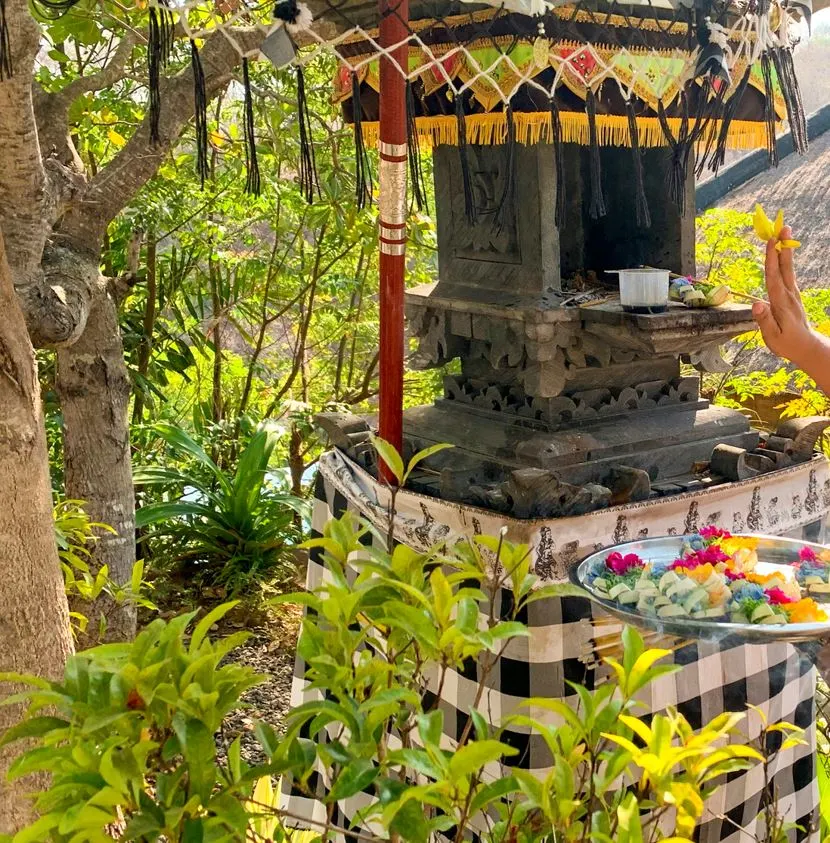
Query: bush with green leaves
(225, 528)
(128, 735)
(75, 532)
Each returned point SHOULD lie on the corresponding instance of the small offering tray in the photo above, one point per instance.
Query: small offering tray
(769, 555)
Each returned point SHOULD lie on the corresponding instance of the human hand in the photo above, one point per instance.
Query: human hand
(783, 321)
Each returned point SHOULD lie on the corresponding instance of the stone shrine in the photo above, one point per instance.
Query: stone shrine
(565, 403)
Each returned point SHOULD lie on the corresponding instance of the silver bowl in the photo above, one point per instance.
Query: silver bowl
(773, 553)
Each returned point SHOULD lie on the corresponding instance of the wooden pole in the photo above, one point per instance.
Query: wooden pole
(394, 19)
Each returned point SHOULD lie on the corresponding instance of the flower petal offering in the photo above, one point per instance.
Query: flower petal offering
(712, 579)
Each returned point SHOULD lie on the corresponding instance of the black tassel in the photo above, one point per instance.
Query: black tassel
(252, 181)
(466, 176)
(413, 150)
(558, 162)
(506, 203)
(308, 166)
(641, 203)
(782, 59)
(362, 170)
(200, 113)
(714, 110)
(769, 109)
(729, 112)
(597, 206)
(159, 47)
(680, 148)
(6, 71)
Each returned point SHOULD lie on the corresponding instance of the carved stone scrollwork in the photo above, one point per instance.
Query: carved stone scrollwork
(708, 359)
(563, 410)
(804, 434)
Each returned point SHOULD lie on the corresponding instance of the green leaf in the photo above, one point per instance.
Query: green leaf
(38, 831)
(31, 728)
(204, 625)
(354, 778)
(424, 454)
(472, 757)
(391, 457)
(492, 792)
(194, 831)
(137, 576)
(431, 727)
(199, 750)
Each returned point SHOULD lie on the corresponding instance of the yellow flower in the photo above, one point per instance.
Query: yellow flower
(805, 611)
(768, 230)
(765, 228)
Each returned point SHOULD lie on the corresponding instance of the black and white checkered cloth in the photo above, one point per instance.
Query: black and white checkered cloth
(716, 678)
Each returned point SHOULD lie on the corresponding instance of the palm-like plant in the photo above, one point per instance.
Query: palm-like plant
(229, 528)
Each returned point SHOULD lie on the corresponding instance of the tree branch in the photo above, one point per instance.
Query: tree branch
(57, 304)
(23, 186)
(117, 184)
(52, 109)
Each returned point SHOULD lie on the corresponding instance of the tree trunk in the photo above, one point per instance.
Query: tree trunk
(94, 390)
(34, 622)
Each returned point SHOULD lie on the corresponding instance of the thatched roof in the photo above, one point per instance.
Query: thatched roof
(801, 186)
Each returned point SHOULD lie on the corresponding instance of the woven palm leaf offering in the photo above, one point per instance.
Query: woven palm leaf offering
(711, 585)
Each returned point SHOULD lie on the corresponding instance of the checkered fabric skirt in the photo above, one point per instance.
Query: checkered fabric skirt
(716, 677)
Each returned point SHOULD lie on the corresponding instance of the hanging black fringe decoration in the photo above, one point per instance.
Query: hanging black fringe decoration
(558, 162)
(640, 201)
(159, 47)
(506, 202)
(782, 59)
(597, 207)
(680, 147)
(362, 169)
(466, 176)
(714, 110)
(200, 113)
(6, 71)
(413, 151)
(252, 181)
(308, 166)
(729, 111)
(769, 109)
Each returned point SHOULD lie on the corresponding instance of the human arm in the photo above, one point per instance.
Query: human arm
(783, 320)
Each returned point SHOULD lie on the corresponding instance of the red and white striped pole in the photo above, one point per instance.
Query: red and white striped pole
(394, 19)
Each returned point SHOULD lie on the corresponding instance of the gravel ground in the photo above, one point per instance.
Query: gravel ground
(270, 651)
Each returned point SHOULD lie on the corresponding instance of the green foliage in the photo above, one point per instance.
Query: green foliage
(728, 252)
(128, 738)
(74, 534)
(128, 735)
(230, 528)
(408, 619)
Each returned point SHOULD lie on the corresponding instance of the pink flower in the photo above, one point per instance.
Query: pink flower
(734, 575)
(807, 554)
(689, 562)
(621, 565)
(711, 555)
(777, 597)
(712, 532)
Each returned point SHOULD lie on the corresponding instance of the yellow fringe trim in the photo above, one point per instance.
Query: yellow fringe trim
(535, 127)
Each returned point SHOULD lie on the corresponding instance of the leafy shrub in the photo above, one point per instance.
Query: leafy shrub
(128, 737)
(75, 532)
(129, 734)
(227, 528)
